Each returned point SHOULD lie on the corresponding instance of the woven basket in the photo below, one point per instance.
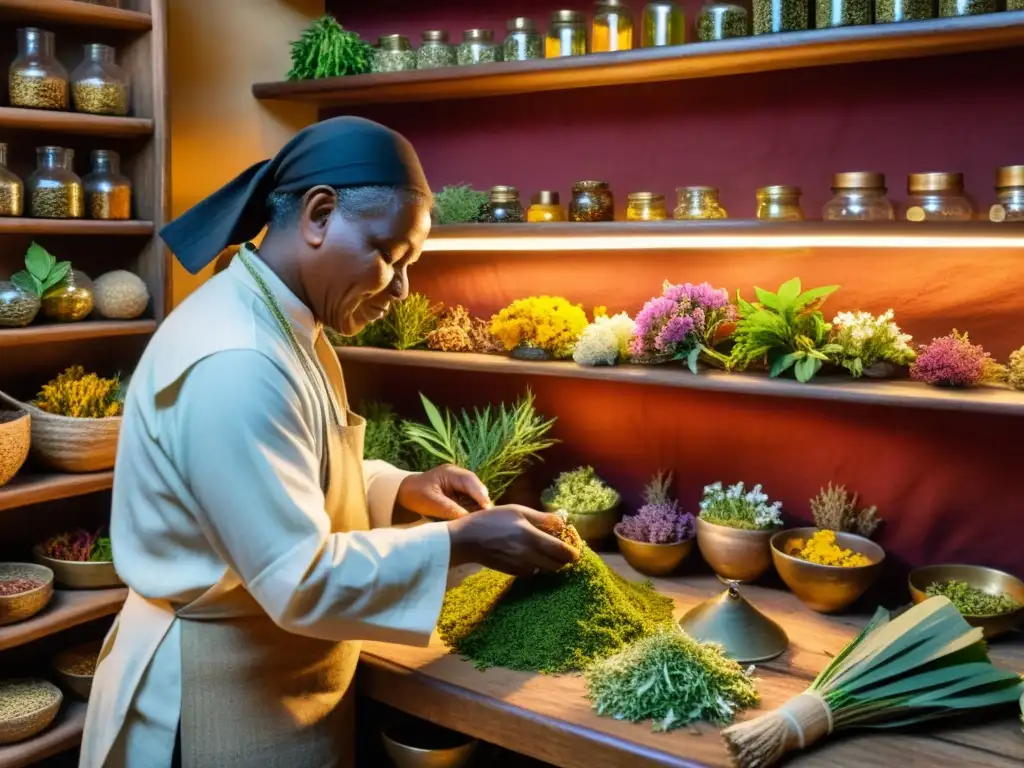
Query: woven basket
(15, 431)
(38, 719)
(25, 605)
(69, 444)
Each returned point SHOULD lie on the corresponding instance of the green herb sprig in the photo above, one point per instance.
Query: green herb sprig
(326, 49)
(410, 322)
(42, 271)
(581, 491)
(458, 204)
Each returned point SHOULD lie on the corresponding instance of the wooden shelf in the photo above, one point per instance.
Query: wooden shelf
(74, 12)
(35, 489)
(64, 734)
(68, 608)
(87, 329)
(763, 53)
(73, 122)
(900, 394)
(74, 227)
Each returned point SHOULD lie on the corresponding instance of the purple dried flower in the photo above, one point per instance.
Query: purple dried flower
(674, 331)
(663, 523)
(683, 318)
(953, 361)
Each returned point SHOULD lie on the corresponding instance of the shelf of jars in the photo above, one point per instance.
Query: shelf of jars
(65, 733)
(75, 12)
(44, 487)
(74, 123)
(67, 608)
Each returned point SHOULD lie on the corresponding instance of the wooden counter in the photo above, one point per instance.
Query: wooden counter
(548, 717)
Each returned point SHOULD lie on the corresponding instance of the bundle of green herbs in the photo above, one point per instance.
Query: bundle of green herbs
(458, 204)
(384, 440)
(326, 49)
(406, 326)
(672, 679)
(581, 492)
(971, 601)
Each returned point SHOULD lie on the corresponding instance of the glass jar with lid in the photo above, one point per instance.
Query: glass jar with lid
(591, 201)
(698, 204)
(36, 80)
(1009, 194)
(662, 24)
(12, 191)
(502, 207)
(859, 196)
(949, 8)
(937, 197)
(98, 85)
(545, 207)
(108, 194)
(567, 35)
(612, 27)
(523, 41)
(771, 16)
(842, 13)
(720, 21)
(53, 189)
(645, 206)
(779, 203)
(435, 50)
(890, 11)
(478, 47)
(393, 53)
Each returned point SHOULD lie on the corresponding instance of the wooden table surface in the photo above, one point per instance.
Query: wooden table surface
(548, 717)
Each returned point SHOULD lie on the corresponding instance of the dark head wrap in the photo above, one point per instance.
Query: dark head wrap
(340, 152)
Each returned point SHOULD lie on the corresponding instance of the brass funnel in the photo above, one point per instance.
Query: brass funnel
(746, 634)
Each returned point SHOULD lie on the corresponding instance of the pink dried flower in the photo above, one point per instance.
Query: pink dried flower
(952, 361)
(685, 319)
(660, 520)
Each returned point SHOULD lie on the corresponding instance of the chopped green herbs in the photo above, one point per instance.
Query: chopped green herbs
(972, 601)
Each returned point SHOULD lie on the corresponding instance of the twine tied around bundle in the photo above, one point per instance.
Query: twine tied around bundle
(797, 724)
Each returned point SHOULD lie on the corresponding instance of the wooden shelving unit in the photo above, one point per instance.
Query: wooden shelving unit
(64, 734)
(36, 227)
(28, 489)
(68, 608)
(73, 123)
(87, 329)
(77, 13)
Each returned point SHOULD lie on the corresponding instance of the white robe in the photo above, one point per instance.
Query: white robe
(219, 475)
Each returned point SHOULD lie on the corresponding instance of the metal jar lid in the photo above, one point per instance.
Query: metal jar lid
(935, 182)
(520, 24)
(567, 17)
(1010, 176)
(697, 190)
(587, 186)
(546, 197)
(394, 43)
(645, 197)
(501, 194)
(779, 190)
(858, 180)
(478, 36)
(434, 36)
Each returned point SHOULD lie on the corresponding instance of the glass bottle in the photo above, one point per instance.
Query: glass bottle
(502, 207)
(567, 35)
(523, 41)
(435, 50)
(720, 21)
(591, 201)
(612, 27)
(842, 13)
(108, 194)
(478, 47)
(645, 206)
(698, 204)
(937, 197)
(98, 85)
(889, 11)
(393, 53)
(1009, 194)
(859, 196)
(662, 24)
(12, 191)
(779, 203)
(53, 189)
(545, 207)
(36, 80)
(966, 7)
(772, 16)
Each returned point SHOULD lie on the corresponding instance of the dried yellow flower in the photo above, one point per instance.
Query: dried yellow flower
(821, 548)
(550, 323)
(80, 395)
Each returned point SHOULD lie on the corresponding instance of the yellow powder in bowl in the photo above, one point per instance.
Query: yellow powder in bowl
(822, 549)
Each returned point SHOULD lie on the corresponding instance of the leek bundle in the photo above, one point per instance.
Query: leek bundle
(926, 663)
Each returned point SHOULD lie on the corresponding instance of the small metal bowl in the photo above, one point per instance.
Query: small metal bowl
(827, 588)
(654, 559)
(986, 579)
(593, 527)
(405, 756)
(733, 553)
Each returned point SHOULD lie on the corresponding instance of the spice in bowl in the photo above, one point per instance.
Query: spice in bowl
(10, 587)
(79, 546)
(22, 698)
(971, 601)
(822, 549)
(79, 661)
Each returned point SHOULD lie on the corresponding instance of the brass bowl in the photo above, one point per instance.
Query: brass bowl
(74, 574)
(734, 554)
(826, 588)
(405, 756)
(978, 576)
(654, 559)
(593, 527)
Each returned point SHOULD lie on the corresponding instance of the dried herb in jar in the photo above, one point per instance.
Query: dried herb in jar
(889, 11)
(435, 51)
(40, 91)
(720, 21)
(772, 16)
(966, 7)
(57, 200)
(393, 54)
(842, 13)
(97, 97)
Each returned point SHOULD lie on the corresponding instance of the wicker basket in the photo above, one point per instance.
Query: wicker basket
(38, 718)
(25, 605)
(69, 444)
(15, 432)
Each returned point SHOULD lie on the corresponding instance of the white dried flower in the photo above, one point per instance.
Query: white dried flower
(605, 341)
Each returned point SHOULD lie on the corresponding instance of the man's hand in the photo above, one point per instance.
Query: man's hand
(511, 539)
(434, 493)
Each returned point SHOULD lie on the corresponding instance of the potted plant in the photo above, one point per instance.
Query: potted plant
(660, 535)
(590, 504)
(734, 528)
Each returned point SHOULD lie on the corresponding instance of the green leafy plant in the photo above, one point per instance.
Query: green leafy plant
(42, 271)
(326, 49)
(384, 439)
(497, 444)
(786, 328)
(410, 322)
(581, 491)
(458, 204)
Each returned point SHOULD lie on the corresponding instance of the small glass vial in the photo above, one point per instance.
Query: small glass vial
(36, 80)
(662, 24)
(108, 194)
(966, 7)
(393, 53)
(523, 41)
(502, 207)
(478, 47)
(435, 50)
(937, 197)
(779, 203)
(12, 191)
(612, 28)
(859, 196)
(591, 201)
(698, 204)
(98, 85)
(771, 16)
(842, 13)
(720, 21)
(890, 11)
(53, 189)
(1009, 194)
(567, 35)
(646, 206)
(545, 207)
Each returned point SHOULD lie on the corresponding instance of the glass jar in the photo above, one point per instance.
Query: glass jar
(779, 203)
(1015, 5)
(662, 24)
(523, 41)
(108, 194)
(1009, 194)
(36, 80)
(698, 204)
(859, 196)
(435, 50)
(646, 206)
(591, 201)
(478, 47)
(937, 197)
(53, 189)
(502, 207)
(98, 85)
(393, 53)
(772, 16)
(842, 13)
(545, 207)
(720, 21)
(889, 11)
(966, 7)
(612, 27)
(12, 192)
(567, 35)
